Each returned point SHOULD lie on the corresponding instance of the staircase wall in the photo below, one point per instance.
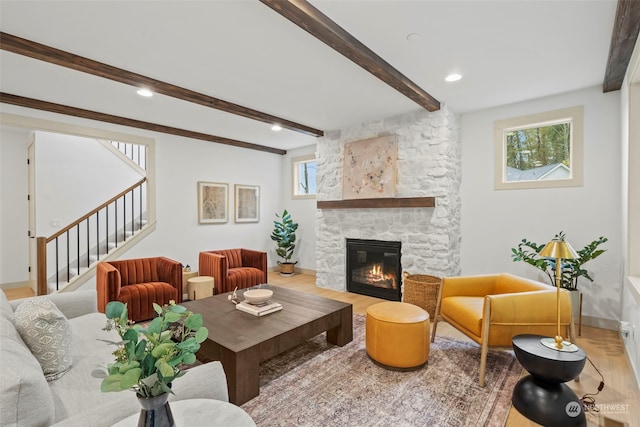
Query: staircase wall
(73, 176)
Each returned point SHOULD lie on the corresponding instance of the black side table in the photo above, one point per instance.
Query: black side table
(542, 396)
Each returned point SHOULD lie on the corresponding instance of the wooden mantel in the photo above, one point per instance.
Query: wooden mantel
(393, 202)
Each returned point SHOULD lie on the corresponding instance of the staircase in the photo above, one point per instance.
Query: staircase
(68, 258)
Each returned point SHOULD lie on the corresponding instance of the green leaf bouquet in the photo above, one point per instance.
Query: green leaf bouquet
(149, 359)
(572, 269)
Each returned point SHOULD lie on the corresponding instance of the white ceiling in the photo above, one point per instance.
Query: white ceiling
(242, 51)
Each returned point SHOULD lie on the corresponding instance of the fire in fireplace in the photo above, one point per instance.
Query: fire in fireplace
(373, 268)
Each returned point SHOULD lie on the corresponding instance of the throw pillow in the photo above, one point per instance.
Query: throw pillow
(47, 333)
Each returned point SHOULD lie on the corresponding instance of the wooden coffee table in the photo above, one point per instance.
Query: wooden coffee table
(241, 341)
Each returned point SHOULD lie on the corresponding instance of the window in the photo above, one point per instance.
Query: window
(304, 177)
(540, 150)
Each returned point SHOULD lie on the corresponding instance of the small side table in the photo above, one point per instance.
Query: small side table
(542, 396)
(186, 275)
(200, 287)
(200, 412)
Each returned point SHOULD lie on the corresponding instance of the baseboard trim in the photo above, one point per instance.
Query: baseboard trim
(296, 270)
(14, 285)
(599, 322)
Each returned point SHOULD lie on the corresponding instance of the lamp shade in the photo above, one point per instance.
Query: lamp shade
(558, 248)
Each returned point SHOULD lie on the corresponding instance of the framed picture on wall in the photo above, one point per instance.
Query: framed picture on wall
(213, 202)
(247, 203)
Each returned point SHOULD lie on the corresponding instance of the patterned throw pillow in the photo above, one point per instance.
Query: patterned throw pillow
(47, 332)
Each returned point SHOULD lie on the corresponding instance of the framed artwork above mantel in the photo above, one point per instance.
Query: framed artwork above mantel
(369, 168)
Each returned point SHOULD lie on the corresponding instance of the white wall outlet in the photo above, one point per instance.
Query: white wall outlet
(626, 330)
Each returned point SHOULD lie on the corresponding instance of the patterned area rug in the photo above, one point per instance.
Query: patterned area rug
(318, 384)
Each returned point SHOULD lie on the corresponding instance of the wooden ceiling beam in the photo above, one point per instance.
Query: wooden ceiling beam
(625, 33)
(62, 58)
(310, 19)
(22, 101)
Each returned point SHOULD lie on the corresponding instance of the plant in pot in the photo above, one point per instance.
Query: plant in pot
(284, 234)
(148, 359)
(572, 269)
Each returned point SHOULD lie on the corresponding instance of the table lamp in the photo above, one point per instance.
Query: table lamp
(558, 249)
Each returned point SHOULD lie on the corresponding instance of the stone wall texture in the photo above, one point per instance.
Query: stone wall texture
(428, 164)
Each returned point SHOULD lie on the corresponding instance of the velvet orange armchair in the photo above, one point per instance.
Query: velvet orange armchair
(139, 283)
(234, 267)
(491, 309)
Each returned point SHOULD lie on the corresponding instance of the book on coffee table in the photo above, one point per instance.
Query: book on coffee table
(259, 309)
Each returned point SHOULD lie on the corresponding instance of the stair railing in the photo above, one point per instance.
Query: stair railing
(98, 234)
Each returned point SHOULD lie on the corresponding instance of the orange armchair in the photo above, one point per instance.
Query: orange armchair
(234, 267)
(139, 283)
(492, 309)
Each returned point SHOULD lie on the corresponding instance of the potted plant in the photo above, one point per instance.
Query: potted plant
(572, 269)
(284, 234)
(148, 359)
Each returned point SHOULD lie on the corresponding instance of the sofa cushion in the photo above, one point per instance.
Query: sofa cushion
(47, 333)
(93, 350)
(25, 398)
(6, 310)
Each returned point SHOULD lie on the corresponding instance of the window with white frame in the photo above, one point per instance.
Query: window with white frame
(539, 150)
(304, 171)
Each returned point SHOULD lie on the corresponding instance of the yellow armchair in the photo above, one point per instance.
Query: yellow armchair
(492, 309)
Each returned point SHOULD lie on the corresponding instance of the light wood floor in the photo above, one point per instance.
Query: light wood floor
(603, 347)
(618, 400)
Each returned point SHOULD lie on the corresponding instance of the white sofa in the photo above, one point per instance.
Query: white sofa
(75, 399)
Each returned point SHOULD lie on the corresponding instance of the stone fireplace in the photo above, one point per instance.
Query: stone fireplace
(428, 165)
(374, 268)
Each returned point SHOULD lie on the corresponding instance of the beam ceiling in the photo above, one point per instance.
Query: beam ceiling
(623, 40)
(59, 57)
(310, 19)
(37, 104)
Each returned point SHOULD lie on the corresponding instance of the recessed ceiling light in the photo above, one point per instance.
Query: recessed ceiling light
(453, 77)
(276, 128)
(413, 36)
(145, 92)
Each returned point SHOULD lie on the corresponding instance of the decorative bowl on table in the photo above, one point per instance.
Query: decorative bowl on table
(257, 296)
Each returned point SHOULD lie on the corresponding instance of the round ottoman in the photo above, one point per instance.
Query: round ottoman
(200, 287)
(397, 335)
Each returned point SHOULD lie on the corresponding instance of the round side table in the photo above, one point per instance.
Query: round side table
(542, 396)
(200, 287)
(201, 412)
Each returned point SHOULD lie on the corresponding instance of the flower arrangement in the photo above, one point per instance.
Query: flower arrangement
(149, 359)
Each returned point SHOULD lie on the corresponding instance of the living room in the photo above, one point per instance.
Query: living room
(491, 221)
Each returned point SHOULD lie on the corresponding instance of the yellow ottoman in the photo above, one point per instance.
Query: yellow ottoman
(200, 287)
(397, 335)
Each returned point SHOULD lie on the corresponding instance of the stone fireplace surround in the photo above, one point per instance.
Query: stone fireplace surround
(428, 164)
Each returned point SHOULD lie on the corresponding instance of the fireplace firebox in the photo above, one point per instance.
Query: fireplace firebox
(373, 268)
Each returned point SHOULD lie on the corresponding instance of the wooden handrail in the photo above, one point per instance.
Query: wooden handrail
(108, 202)
(41, 272)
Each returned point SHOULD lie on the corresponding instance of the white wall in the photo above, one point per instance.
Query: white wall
(14, 249)
(180, 164)
(303, 211)
(630, 106)
(494, 221)
(71, 178)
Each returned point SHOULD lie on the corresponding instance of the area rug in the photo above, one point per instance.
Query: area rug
(319, 384)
